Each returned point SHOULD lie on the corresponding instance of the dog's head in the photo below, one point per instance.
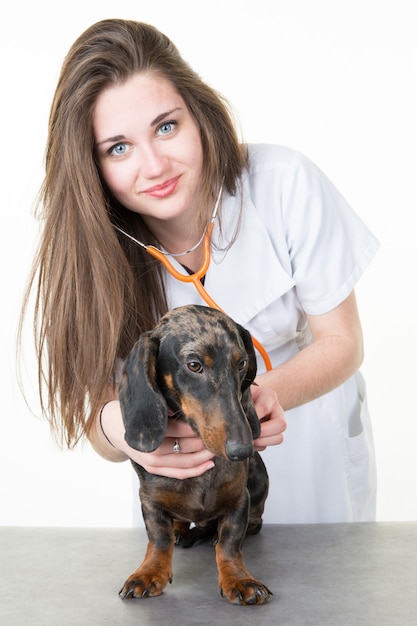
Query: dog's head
(200, 364)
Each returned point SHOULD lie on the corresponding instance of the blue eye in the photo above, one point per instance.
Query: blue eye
(166, 128)
(119, 149)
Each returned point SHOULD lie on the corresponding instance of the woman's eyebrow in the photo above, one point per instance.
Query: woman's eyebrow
(111, 140)
(162, 116)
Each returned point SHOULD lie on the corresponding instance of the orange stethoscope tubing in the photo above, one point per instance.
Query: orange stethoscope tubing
(196, 280)
(196, 277)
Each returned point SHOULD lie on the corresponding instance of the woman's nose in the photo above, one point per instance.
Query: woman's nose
(152, 162)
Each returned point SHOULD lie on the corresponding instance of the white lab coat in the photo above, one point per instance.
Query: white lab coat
(300, 248)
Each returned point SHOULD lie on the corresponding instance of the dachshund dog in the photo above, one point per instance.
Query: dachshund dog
(199, 364)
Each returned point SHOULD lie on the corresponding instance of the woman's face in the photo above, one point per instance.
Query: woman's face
(149, 148)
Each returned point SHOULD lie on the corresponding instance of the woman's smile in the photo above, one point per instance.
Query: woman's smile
(164, 189)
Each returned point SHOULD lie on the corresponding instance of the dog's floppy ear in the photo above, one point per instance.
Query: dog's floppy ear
(247, 401)
(247, 342)
(250, 412)
(143, 406)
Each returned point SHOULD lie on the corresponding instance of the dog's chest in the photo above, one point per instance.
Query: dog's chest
(202, 498)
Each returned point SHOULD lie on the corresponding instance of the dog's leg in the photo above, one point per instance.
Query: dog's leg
(186, 537)
(258, 485)
(235, 581)
(155, 572)
(181, 530)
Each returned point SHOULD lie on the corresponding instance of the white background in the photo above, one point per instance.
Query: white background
(335, 79)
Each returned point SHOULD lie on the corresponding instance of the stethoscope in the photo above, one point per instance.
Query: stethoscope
(196, 277)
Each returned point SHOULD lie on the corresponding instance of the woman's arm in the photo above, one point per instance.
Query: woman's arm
(107, 439)
(99, 437)
(335, 354)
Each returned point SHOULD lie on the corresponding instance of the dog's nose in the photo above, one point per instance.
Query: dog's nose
(237, 451)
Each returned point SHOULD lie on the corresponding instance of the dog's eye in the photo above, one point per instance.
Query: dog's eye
(195, 367)
(242, 364)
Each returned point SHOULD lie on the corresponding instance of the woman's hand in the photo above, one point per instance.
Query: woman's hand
(108, 439)
(271, 416)
(193, 459)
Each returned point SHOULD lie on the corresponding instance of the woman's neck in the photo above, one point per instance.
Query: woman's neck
(178, 238)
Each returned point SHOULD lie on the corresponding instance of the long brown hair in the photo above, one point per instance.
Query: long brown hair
(92, 285)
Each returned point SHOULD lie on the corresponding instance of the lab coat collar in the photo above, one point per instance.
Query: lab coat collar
(245, 278)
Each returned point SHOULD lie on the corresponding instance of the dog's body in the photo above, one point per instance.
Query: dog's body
(198, 363)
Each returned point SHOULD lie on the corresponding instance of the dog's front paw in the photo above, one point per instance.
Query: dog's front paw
(144, 584)
(245, 591)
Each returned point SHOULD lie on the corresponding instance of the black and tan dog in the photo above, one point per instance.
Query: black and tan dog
(200, 364)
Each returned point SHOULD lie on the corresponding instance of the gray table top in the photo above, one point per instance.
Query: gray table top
(328, 574)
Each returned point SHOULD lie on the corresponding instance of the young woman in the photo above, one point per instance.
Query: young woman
(142, 153)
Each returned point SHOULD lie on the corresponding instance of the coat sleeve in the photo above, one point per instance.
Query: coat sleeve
(327, 246)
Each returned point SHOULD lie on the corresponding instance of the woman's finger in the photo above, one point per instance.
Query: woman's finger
(175, 465)
(177, 428)
(186, 445)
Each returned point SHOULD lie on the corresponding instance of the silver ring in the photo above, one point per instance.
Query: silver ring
(176, 447)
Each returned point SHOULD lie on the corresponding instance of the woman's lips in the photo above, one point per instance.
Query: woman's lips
(164, 189)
